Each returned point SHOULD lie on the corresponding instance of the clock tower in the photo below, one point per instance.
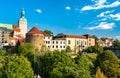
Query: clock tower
(23, 24)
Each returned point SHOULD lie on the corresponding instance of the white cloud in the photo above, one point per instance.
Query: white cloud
(99, 4)
(115, 16)
(68, 8)
(117, 37)
(39, 10)
(103, 14)
(102, 25)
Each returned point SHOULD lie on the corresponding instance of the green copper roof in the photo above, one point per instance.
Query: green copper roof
(22, 15)
(8, 26)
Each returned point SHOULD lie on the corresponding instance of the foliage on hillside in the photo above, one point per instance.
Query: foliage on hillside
(58, 64)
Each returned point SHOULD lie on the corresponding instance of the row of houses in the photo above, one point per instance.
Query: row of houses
(61, 41)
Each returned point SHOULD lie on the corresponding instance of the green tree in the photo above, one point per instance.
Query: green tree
(68, 49)
(3, 56)
(54, 65)
(109, 64)
(95, 49)
(2, 64)
(3, 53)
(116, 42)
(48, 32)
(18, 67)
(27, 50)
(84, 67)
(99, 74)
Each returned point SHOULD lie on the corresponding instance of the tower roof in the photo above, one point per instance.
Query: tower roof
(22, 15)
(35, 30)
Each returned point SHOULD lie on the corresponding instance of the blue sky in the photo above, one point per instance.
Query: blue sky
(76, 17)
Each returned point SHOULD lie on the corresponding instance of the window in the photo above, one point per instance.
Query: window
(77, 42)
(56, 42)
(53, 46)
(56, 46)
(48, 37)
(60, 42)
(89, 39)
(48, 42)
(64, 42)
(63, 46)
(60, 46)
(48, 46)
(89, 43)
(53, 42)
(85, 43)
(69, 42)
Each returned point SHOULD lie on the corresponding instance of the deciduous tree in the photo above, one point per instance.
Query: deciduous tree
(18, 67)
(109, 64)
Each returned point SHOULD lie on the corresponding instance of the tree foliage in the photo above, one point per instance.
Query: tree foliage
(27, 50)
(68, 49)
(54, 65)
(116, 42)
(17, 67)
(48, 32)
(99, 74)
(109, 64)
(84, 67)
(95, 49)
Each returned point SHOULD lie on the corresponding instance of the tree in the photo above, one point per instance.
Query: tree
(116, 42)
(84, 67)
(99, 74)
(55, 65)
(109, 64)
(2, 64)
(3, 53)
(27, 50)
(68, 49)
(95, 49)
(3, 56)
(96, 38)
(49, 32)
(18, 67)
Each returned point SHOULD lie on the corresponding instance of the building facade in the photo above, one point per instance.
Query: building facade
(59, 42)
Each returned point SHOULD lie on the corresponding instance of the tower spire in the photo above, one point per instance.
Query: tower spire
(22, 13)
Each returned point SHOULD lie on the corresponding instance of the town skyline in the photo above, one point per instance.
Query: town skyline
(68, 17)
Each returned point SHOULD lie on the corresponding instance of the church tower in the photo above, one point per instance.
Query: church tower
(23, 24)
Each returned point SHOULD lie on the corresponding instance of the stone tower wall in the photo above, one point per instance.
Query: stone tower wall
(35, 39)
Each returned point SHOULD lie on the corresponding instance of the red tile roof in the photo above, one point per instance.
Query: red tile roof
(16, 28)
(12, 38)
(106, 39)
(35, 30)
(73, 36)
(45, 34)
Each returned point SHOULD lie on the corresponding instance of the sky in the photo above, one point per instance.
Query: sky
(75, 17)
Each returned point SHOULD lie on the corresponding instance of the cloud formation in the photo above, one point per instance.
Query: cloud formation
(117, 37)
(100, 4)
(115, 16)
(103, 26)
(39, 10)
(68, 8)
(103, 14)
